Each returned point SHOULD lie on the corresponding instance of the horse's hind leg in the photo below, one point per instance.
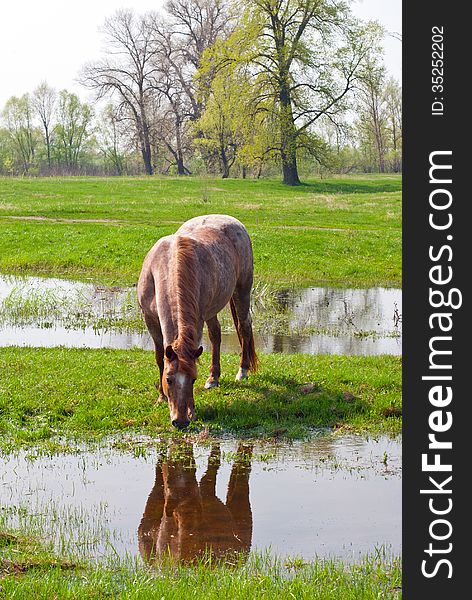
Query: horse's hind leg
(240, 308)
(214, 332)
(154, 328)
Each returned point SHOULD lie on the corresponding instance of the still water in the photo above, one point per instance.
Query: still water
(323, 498)
(53, 312)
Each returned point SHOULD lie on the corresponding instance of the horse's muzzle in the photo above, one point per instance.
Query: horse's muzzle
(180, 424)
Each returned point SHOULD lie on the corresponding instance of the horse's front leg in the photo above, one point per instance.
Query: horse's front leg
(154, 328)
(214, 332)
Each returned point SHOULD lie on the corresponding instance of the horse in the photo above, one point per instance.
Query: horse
(187, 278)
(184, 518)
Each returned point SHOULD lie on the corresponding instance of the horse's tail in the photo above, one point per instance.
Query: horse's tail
(253, 360)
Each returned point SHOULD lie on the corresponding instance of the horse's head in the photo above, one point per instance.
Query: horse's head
(178, 378)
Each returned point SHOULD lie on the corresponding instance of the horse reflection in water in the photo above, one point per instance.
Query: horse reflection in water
(185, 518)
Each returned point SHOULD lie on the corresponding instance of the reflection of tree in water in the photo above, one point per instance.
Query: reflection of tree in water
(185, 518)
(349, 309)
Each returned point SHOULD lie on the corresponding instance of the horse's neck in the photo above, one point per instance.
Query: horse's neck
(177, 322)
(186, 284)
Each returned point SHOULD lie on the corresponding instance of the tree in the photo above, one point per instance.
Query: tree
(305, 56)
(44, 101)
(372, 112)
(181, 38)
(73, 120)
(393, 101)
(125, 73)
(174, 96)
(229, 130)
(193, 27)
(112, 138)
(379, 124)
(18, 118)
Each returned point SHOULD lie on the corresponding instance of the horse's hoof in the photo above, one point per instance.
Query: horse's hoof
(242, 374)
(211, 383)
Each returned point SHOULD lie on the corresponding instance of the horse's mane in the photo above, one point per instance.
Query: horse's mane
(186, 290)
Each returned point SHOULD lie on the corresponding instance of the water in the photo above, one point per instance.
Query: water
(52, 312)
(323, 498)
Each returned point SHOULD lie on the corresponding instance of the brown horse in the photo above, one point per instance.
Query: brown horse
(186, 279)
(184, 517)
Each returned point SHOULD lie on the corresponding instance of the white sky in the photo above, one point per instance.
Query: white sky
(52, 39)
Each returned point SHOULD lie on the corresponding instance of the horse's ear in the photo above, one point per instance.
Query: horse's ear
(170, 354)
(198, 352)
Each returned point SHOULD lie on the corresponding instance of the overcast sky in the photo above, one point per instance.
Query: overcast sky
(50, 40)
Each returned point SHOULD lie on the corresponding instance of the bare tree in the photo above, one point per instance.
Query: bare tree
(174, 96)
(126, 71)
(194, 26)
(372, 112)
(393, 101)
(191, 27)
(44, 102)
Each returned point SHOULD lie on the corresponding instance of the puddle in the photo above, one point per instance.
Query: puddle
(328, 497)
(52, 312)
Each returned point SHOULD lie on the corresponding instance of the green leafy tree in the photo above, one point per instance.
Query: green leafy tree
(112, 138)
(230, 129)
(304, 57)
(18, 118)
(72, 130)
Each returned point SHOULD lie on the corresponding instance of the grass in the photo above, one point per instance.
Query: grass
(342, 232)
(31, 569)
(81, 393)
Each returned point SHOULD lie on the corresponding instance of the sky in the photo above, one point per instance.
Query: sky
(50, 40)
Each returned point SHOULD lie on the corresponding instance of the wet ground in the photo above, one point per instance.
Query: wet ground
(52, 312)
(328, 497)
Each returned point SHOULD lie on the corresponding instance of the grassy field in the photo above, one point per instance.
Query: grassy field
(342, 232)
(31, 570)
(46, 393)
(339, 232)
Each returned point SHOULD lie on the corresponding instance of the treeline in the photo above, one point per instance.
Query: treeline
(217, 86)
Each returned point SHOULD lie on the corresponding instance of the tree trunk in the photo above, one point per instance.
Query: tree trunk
(224, 163)
(288, 136)
(180, 165)
(180, 158)
(48, 147)
(290, 173)
(146, 154)
(145, 143)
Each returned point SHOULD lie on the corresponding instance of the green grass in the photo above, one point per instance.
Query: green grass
(31, 569)
(342, 232)
(81, 393)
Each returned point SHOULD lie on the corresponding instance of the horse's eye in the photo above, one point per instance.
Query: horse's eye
(169, 381)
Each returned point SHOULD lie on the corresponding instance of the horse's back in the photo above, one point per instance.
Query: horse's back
(225, 235)
(216, 225)
(222, 251)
